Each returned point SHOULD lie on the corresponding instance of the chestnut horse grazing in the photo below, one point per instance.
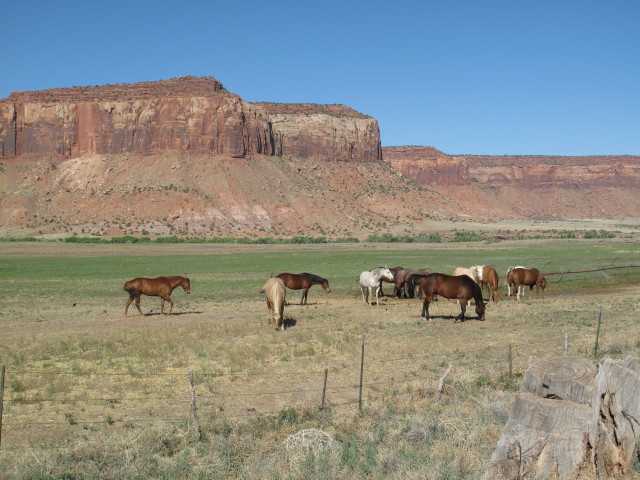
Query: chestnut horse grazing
(371, 279)
(304, 281)
(460, 287)
(520, 276)
(490, 280)
(275, 292)
(154, 287)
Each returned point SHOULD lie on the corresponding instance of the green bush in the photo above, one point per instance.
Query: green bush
(467, 237)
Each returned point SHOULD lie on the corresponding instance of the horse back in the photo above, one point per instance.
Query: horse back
(449, 286)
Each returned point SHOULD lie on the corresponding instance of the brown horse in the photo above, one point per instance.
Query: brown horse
(403, 289)
(304, 281)
(490, 280)
(461, 287)
(520, 276)
(276, 297)
(394, 271)
(154, 287)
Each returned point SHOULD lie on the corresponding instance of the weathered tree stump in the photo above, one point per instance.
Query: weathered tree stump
(571, 420)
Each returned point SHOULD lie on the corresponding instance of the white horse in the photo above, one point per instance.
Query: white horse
(474, 273)
(371, 279)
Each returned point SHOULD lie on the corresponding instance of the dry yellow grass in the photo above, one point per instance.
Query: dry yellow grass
(81, 375)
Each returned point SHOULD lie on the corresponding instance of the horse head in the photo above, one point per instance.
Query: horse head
(542, 282)
(186, 284)
(385, 272)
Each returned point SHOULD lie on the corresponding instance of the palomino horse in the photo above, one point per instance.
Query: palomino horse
(371, 279)
(520, 276)
(490, 280)
(474, 273)
(275, 292)
(403, 289)
(394, 271)
(460, 287)
(304, 281)
(154, 287)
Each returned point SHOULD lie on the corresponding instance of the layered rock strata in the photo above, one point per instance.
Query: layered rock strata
(187, 114)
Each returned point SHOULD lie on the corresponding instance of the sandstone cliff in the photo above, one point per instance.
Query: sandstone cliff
(185, 156)
(188, 114)
(525, 186)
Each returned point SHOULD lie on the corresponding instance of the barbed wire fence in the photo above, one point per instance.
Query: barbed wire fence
(75, 405)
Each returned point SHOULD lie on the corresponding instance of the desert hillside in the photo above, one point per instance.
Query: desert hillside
(187, 157)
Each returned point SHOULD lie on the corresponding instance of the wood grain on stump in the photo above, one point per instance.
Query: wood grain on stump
(571, 419)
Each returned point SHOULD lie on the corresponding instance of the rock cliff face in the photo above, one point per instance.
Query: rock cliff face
(188, 114)
(430, 167)
(323, 131)
(511, 187)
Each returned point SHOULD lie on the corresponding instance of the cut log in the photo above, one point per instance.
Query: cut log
(571, 420)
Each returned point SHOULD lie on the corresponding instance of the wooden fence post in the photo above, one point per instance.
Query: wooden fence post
(324, 388)
(194, 412)
(1, 399)
(566, 344)
(361, 376)
(442, 379)
(595, 349)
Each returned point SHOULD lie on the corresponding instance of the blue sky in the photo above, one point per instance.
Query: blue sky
(467, 77)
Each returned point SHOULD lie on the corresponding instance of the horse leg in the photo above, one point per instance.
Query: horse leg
(162, 305)
(425, 309)
(377, 295)
(365, 298)
(171, 303)
(303, 299)
(138, 305)
(126, 307)
(463, 308)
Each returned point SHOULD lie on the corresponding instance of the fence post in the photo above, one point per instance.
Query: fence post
(324, 388)
(442, 379)
(566, 344)
(361, 376)
(1, 399)
(194, 413)
(595, 349)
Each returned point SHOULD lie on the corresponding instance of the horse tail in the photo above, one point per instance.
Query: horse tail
(131, 290)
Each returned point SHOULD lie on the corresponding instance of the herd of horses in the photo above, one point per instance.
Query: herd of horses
(464, 285)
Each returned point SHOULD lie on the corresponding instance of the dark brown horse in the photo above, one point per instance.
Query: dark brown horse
(490, 280)
(520, 276)
(403, 289)
(394, 271)
(154, 287)
(304, 281)
(460, 287)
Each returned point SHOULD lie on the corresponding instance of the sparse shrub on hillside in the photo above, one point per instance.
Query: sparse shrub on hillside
(598, 234)
(75, 239)
(467, 237)
(21, 239)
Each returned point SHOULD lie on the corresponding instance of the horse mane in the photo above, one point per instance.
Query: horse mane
(314, 278)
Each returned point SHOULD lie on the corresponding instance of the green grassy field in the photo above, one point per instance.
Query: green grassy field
(93, 394)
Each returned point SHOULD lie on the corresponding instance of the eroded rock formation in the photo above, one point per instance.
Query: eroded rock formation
(187, 114)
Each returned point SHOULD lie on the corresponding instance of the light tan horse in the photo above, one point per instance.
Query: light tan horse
(275, 292)
(474, 273)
